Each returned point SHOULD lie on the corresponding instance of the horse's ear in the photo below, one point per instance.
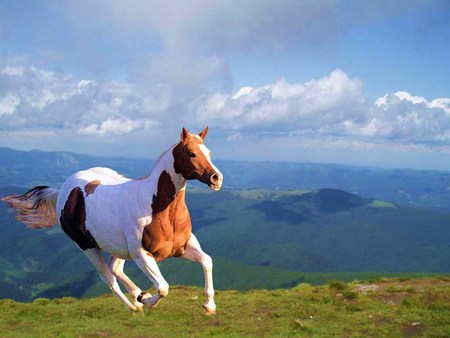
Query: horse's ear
(203, 133)
(184, 134)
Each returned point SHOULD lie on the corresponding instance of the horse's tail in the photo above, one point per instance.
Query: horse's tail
(36, 208)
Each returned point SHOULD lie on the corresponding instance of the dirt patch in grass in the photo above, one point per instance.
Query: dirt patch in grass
(394, 291)
(412, 330)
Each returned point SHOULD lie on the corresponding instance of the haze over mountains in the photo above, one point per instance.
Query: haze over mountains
(429, 188)
(296, 218)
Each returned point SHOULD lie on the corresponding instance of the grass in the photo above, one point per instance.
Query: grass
(336, 309)
(382, 204)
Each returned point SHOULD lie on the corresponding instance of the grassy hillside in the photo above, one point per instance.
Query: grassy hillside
(381, 308)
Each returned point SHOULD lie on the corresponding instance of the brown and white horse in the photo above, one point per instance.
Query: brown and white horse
(145, 220)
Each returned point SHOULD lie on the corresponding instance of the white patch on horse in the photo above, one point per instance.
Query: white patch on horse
(204, 149)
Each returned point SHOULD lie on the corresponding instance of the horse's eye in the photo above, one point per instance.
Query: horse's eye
(192, 155)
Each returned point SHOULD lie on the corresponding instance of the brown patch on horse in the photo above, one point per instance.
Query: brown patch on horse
(170, 228)
(164, 194)
(91, 186)
(73, 220)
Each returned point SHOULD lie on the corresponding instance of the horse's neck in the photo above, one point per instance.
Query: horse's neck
(163, 167)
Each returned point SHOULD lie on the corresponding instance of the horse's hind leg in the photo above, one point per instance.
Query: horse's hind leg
(96, 258)
(116, 267)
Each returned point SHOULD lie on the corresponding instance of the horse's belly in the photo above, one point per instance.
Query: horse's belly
(114, 244)
(106, 226)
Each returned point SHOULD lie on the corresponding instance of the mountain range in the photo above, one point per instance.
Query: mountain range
(428, 188)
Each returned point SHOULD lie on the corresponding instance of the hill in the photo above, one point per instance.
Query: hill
(381, 308)
(427, 189)
(322, 230)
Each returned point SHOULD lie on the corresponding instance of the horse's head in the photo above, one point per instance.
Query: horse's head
(193, 160)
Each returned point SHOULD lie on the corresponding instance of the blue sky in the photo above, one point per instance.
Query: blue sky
(352, 82)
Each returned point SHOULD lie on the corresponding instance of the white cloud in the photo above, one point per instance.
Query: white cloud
(9, 103)
(12, 71)
(330, 109)
(241, 92)
(116, 126)
(32, 99)
(331, 106)
(441, 103)
(309, 106)
(235, 137)
(405, 96)
(411, 118)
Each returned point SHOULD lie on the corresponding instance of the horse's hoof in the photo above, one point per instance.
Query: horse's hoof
(134, 308)
(209, 310)
(150, 302)
(138, 309)
(144, 295)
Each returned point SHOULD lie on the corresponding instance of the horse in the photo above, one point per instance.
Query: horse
(145, 220)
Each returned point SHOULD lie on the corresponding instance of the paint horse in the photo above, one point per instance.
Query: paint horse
(145, 220)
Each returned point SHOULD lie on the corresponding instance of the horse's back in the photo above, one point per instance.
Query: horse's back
(88, 181)
(106, 176)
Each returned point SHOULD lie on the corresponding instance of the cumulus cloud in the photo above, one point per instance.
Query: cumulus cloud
(235, 137)
(9, 103)
(115, 126)
(33, 99)
(332, 109)
(331, 106)
(315, 106)
(412, 118)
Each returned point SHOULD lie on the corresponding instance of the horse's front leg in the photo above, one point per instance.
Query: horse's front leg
(150, 268)
(194, 252)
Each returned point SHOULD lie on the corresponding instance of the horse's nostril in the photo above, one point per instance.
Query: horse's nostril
(214, 178)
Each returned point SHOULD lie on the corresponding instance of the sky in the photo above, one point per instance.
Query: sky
(351, 82)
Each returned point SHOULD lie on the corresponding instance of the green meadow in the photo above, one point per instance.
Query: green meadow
(398, 307)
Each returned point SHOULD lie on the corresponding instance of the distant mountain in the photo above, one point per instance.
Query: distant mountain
(30, 168)
(428, 189)
(258, 238)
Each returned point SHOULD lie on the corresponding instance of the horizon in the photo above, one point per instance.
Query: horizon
(154, 159)
(363, 84)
